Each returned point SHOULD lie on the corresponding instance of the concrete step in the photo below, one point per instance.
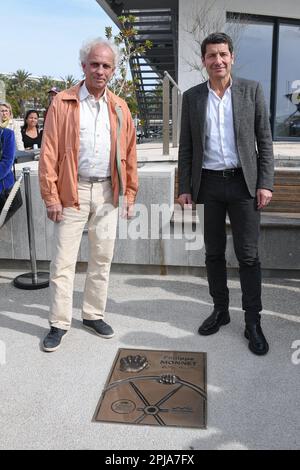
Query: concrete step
(283, 219)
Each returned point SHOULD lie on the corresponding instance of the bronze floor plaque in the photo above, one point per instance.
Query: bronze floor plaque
(165, 388)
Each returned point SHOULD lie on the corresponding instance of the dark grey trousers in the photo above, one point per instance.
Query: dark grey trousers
(222, 195)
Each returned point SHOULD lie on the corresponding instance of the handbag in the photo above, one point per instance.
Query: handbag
(10, 199)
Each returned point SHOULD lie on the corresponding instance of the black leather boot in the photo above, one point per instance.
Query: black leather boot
(213, 323)
(257, 341)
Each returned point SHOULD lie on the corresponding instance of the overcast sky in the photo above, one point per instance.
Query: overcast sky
(43, 37)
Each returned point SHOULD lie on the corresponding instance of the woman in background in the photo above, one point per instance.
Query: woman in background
(7, 121)
(7, 155)
(31, 134)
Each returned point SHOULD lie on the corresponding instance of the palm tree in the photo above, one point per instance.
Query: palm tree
(21, 84)
(44, 84)
(21, 78)
(69, 81)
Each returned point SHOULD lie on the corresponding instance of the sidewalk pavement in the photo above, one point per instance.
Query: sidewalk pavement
(48, 399)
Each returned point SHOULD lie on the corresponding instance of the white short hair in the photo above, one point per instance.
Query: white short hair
(88, 46)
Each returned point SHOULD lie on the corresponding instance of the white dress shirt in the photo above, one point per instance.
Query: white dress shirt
(94, 152)
(220, 150)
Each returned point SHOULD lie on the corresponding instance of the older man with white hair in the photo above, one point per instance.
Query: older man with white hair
(87, 162)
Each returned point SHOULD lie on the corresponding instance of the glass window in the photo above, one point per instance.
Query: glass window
(253, 51)
(255, 44)
(287, 121)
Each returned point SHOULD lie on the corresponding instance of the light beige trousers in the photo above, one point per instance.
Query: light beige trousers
(97, 210)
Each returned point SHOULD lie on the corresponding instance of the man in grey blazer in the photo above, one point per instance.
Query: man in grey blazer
(226, 162)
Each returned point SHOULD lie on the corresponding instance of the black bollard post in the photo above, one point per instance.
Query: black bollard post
(34, 279)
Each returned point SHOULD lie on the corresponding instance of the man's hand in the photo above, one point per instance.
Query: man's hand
(185, 199)
(127, 211)
(54, 212)
(264, 196)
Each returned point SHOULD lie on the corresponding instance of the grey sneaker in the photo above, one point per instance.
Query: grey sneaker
(53, 339)
(99, 327)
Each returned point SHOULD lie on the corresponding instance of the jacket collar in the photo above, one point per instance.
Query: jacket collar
(210, 88)
(72, 93)
(238, 106)
(201, 106)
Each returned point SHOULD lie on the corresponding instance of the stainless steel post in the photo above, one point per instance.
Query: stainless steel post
(175, 116)
(166, 115)
(31, 239)
(34, 279)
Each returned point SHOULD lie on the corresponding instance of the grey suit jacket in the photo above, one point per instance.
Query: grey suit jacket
(252, 134)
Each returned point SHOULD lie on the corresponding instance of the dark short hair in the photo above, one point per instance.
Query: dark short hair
(216, 38)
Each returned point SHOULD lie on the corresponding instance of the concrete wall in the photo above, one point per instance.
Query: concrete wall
(217, 16)
(156, 186)
(279, 244)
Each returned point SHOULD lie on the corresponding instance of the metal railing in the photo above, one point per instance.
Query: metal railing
(176, 112)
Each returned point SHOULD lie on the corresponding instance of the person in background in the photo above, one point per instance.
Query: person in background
(7, 154)
(31, 134)
(51, 94)
(7, 121)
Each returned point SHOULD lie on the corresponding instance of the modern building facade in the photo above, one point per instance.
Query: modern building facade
(266, 37)
(267, 43)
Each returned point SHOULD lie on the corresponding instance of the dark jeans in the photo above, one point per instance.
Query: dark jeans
(222, 195)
